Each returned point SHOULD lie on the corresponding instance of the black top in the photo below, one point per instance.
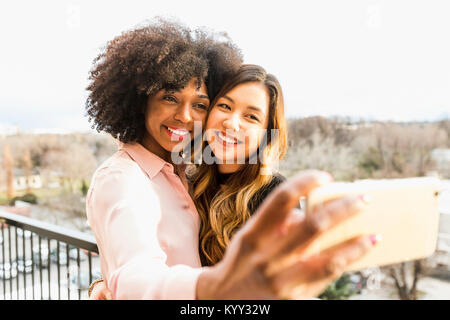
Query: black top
(259, 197)
(262, 193)
(223, 177)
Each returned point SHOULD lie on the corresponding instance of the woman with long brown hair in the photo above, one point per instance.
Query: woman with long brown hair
(246, 122)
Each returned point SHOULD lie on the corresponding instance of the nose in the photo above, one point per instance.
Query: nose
(183, 113)
(232, 123)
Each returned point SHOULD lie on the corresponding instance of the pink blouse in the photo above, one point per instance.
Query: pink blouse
(146, 227)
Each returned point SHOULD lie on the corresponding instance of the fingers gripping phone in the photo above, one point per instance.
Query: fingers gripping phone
(404, 212)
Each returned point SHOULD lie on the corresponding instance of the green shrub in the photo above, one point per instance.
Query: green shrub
(341, 289)
(371, 161)
(84, 188)
(28, 197)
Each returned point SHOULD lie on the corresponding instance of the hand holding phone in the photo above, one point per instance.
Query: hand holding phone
(403, 212)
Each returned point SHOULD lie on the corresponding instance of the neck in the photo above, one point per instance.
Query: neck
(151, 145)
(228, 168)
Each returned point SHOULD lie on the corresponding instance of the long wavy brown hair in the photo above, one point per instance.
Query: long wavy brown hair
(224, 208)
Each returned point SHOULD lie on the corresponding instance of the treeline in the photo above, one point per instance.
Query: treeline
(359, 149)
(70, 159)
(347, 149)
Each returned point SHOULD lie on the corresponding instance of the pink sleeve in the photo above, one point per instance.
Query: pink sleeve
(124, 211)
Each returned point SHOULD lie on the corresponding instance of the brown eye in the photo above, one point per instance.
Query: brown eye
(170, 98)
(224, 106)
(201, 106)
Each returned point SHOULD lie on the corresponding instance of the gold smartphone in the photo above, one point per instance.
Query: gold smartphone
(404, 212)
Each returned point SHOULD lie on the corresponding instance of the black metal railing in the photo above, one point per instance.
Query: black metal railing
(43, 261)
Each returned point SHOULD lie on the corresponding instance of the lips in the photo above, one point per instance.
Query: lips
(226, 140)
(177, 134)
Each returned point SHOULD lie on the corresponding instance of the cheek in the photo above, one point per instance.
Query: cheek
(157, 114)
(202, 120)
(152, 121)
(212, 122)
(209, 130)
(254, 139)
(151, 113)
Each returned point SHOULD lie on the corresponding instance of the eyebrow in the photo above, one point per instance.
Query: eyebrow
(201, 96)
(256, 109)
(228, 98)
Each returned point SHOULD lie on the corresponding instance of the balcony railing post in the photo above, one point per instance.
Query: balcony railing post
(17, 254)
(32, 265)
(40, 267)
(24, 258)
(58, 266)
(3, 259)
(68, 271)
(10, 259)
(78, 274)
(47, 263)
(90, 267)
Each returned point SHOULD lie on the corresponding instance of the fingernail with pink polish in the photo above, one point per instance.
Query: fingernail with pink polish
(330, 176)
(375, 238)
(364, 198)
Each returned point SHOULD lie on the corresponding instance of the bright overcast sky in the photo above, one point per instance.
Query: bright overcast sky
(371, 59)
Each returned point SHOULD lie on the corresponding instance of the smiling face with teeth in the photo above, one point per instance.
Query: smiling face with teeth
(237, 123)
(170, 117)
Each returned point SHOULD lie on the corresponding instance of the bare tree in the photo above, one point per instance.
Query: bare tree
(321, 153)
(9, 168)
(28, 167)
(406, 277)
(73, 164)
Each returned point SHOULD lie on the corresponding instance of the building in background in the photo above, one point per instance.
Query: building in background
(8, 129)
(23, 182)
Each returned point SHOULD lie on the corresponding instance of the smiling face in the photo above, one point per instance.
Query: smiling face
(170, 117)
(237, 123)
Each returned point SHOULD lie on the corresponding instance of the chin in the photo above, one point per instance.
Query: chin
(228, 159)
(224, 157)
(174, 148)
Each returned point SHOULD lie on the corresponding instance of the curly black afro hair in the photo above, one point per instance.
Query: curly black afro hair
(140, 62)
